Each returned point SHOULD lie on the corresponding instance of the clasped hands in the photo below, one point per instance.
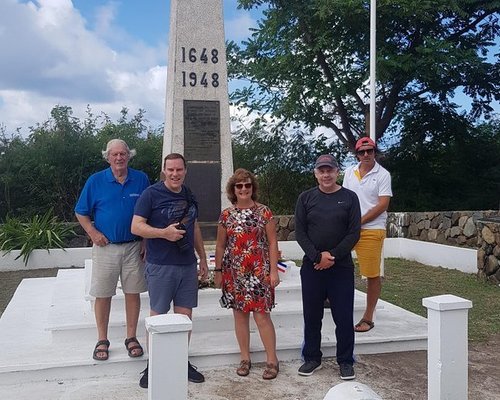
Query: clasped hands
(327, 261)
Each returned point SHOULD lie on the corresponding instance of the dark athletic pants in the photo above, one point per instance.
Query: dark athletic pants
(336, 284)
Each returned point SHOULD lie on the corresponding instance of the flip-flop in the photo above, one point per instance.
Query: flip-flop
(370, 324)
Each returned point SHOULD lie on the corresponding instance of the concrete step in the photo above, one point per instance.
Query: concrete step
(290, 284)
(71, 316)
(31, 348)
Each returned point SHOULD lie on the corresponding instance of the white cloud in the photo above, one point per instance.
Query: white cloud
(51, 57)
(105, 17)
(238, 28)
(25, 109)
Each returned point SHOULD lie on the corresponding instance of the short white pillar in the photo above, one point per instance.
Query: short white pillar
(447, 347)
(168, 356)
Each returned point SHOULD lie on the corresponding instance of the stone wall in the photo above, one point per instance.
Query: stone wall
(474, 229)
(488, 254)
(454, 228)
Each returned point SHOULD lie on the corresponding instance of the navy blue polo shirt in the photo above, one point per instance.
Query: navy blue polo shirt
(111, 204)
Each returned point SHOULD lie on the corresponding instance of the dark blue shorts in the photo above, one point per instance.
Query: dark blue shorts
(167, 283)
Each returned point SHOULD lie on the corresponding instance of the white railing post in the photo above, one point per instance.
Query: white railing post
(447, 354)
(168, 356)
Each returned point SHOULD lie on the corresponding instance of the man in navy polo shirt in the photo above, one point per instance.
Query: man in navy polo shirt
(166, 216)
(109, 198)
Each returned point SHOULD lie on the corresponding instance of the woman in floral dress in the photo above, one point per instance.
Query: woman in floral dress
(246, 258)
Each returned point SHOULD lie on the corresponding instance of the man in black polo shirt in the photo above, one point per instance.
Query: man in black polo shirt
(327, 226)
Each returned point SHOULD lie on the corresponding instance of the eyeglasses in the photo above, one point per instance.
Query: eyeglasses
(363, 152)
(122, 154)
(243, 185)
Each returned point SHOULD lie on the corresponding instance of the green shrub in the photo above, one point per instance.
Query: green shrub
(42, 232)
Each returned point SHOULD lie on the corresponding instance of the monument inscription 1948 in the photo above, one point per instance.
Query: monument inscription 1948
(203, 78)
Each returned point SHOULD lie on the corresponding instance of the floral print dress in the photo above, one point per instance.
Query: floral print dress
(246, 269)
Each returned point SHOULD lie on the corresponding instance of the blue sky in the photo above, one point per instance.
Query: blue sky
(107, 54)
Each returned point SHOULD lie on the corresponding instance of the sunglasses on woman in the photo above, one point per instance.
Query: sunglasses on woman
(243, 185)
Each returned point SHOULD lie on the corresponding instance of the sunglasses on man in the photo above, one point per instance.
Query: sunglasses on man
(363, 152)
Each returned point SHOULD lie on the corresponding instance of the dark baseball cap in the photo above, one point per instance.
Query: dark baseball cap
(326, 160)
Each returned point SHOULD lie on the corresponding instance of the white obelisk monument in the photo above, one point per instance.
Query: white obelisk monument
(197, 107)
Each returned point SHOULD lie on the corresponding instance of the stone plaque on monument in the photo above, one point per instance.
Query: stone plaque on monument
(201, 130)
(197, 106)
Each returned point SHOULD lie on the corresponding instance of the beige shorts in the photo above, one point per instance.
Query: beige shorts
(115, 261)
(369, 251)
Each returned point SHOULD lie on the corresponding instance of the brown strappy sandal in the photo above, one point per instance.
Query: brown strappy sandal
(271, 371)
(244, 368)
(105, 352)
(135, 346)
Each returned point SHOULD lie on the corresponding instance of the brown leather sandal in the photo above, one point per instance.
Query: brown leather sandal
(271, 371)
(244, 368)
(105, 351)
(136, 346)
(359, 326)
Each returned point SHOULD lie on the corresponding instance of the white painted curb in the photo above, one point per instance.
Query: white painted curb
(433, 254)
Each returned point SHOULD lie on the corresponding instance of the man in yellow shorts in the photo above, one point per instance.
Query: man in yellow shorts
(372, 183)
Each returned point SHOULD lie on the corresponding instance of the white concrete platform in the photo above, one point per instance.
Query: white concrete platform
(48, 331)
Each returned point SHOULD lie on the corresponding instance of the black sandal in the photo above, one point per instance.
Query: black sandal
(137, 346)
(104, 342)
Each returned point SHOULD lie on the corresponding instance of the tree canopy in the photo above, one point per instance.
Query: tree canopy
(283, 163)
(49, 168)
(443, 162)
(308, 61)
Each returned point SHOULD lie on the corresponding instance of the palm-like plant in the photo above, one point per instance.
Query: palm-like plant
(42, 232)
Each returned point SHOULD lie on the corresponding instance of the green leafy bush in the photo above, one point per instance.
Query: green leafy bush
(42, 232)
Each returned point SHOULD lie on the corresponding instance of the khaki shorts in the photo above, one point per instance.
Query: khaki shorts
(369, 251)
(117, 261)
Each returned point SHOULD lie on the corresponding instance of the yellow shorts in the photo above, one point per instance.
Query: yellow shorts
(369, 251)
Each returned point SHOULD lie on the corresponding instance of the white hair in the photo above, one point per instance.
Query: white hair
(113, 142)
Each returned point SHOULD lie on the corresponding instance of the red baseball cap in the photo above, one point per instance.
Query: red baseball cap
(365, 141)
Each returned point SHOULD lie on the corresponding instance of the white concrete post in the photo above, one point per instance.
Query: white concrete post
(168, 356)
(447, 354)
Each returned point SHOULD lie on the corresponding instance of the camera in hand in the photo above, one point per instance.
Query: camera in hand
(183, 242)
